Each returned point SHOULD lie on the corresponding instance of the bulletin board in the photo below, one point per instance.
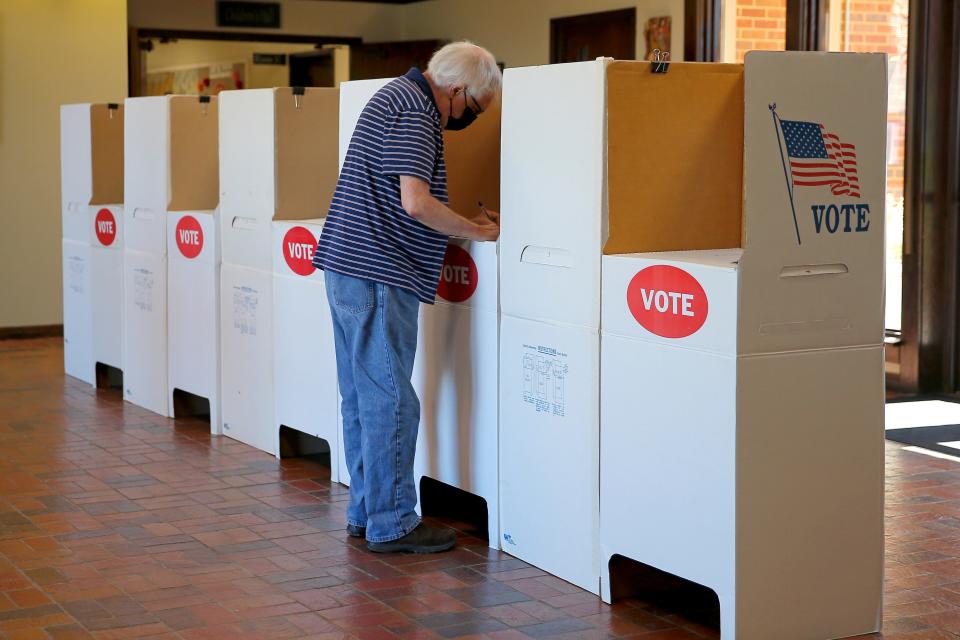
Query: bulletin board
(204, 79)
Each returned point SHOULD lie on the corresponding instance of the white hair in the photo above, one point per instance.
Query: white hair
(468, 65)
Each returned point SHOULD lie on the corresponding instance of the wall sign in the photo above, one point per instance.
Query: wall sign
(270, 58)
(257, 15)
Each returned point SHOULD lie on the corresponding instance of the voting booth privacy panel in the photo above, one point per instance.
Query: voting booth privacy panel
(170, 159)
(735, 453)
(91, 161)
(278, 163)
(455, 371)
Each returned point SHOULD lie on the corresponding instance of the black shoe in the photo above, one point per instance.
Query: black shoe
(424, 539)
(356, 532)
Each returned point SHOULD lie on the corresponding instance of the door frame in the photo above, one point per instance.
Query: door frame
(136, 69)
(556, 43)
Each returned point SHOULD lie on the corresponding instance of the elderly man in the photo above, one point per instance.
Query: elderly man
(382, 250)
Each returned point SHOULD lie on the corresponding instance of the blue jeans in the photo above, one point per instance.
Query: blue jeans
(375, 331)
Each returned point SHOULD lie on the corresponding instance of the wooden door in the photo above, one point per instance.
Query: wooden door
(592, 35)
(312, 69)
(390, 59)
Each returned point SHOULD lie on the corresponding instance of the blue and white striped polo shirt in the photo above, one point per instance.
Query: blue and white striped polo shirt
(367, 233)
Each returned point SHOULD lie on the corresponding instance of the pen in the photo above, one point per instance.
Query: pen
(483, 210)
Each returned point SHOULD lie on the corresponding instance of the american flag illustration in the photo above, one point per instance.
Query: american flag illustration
(819, 158)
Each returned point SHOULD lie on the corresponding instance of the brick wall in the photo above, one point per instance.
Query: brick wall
(871, 26)
(761, 24)
(881, 26)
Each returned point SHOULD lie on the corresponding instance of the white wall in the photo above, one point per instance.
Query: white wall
(518, 31)
(51, 52)
(369, 20)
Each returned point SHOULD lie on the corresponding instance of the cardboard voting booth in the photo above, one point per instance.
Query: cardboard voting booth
(170, 159)
(305, 363)
(552, 197)
(701, 472)
(742, 383)
(278, 163)
(91, 160)
(455, 371)
(193, 308)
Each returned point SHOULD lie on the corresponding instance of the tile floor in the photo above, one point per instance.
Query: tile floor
(116, 523)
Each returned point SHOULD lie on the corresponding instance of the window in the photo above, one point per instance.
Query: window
(881, 26)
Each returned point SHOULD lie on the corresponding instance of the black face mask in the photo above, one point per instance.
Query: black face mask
(465, 119)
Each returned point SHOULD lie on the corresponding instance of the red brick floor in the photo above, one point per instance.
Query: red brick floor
(116, 523)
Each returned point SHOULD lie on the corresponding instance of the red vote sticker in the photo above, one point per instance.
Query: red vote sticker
(458, 278)
(189, 237)
(105, 226)
(667, 301)
(298, 246)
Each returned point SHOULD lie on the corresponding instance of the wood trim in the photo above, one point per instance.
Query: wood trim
(31, 332)
(701, 30)
(929, 351)
(136, 65)
(807, 25)
(253, 36)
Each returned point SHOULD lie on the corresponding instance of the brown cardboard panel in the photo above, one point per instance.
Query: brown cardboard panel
(106, 133)
(473, 164)
(674, 157)
(194, 170)
(307, 163)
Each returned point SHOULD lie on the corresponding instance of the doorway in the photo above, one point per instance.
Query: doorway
(316, 68)
(205, 63)
(610, 34)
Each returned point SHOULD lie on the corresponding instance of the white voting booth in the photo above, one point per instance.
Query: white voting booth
(305, 366)
(746, 385)
(735, 453)
(193, 295)
(552, 185)
(278, 164)
(455, 371)
(91, 161)
(170, 159)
